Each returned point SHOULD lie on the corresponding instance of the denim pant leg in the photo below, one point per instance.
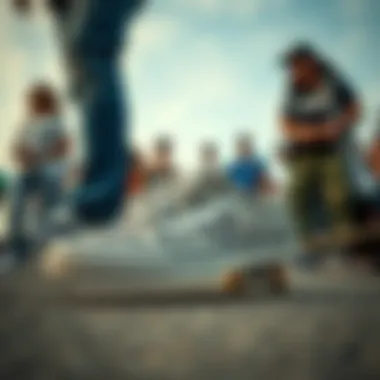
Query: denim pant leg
(105, 122)
(102, 190)
(23, 188)
(51, 191)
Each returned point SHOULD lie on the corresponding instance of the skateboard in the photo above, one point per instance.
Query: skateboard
(328, 241)
(232, 275)
(272, 277)
(229, 277)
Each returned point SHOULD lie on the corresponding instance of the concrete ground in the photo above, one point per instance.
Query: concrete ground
(321, 334)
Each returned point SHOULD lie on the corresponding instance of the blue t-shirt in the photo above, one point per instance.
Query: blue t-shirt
(246, 174)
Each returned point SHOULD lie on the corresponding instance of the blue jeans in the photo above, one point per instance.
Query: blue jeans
(96, 48)
(47, 191)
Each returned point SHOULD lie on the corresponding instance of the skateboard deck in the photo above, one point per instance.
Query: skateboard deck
(234, 276)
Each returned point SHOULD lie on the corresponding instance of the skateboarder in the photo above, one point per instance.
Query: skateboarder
(91, 34)
(320, 111)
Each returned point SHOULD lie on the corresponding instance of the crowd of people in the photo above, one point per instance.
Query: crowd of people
(246, 173)
(331, 183)
(42, 149)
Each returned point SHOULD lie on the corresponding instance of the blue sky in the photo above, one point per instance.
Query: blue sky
(205, 69)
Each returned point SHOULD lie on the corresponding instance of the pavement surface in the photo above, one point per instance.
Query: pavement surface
(321, 334)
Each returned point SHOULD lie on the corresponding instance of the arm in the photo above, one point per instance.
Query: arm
(373, 159)
(302, 132)
(266, 185)
(293, 127)
(59, 145)
(295, 131)
(349, 116)
(299, 132)
(61, 148)
(23, 155)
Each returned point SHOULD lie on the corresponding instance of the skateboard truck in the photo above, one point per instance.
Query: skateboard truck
(272, 276)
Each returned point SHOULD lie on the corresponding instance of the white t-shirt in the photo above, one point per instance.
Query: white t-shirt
(40, 136)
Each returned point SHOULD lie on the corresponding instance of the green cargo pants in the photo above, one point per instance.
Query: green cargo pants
(328, 175)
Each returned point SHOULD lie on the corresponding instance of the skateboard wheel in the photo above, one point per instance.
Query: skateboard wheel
(55, 262)
(233, 283)
(278, 280)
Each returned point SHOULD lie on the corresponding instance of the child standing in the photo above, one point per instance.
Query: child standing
(41, 152)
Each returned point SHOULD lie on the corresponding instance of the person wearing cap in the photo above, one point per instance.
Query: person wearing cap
(319, 112)
(248, 172)
(91, 37)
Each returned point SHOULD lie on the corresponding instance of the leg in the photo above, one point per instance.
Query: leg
(23, 188)
(100, 42)
(303, 178)
(51, 193)
(69, 21)
(89, 28)
(103, 189)
(336, 194)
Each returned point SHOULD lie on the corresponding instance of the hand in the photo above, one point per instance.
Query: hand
(305, 135)
(26, 158)
(330, 130)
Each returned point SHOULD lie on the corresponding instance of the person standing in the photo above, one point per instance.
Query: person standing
(319, 113)
(162, 169)
(211, 180)
(41, 152)
(248, 173)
